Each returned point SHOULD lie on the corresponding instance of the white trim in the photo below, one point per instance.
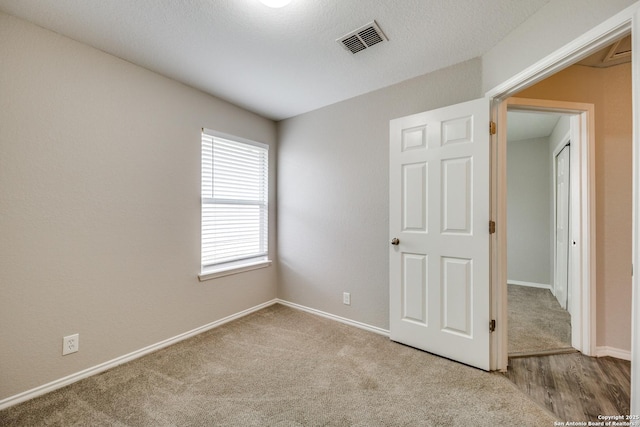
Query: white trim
(582, 221)
(62, 382)
(214, 274)
(635, 235)
(590, 42)
(350, 322)
(603, 351)
(530, 284)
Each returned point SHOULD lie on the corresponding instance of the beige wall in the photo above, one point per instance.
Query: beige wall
(100, 207)
(333, 193)
(528, 211)
(610, 90)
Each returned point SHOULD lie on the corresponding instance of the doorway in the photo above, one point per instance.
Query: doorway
(611, 91)
(575, 123)
(538, 217)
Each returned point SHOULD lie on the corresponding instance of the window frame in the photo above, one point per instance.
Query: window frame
(261, 260)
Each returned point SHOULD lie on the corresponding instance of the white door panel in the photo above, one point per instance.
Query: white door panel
(439, 211)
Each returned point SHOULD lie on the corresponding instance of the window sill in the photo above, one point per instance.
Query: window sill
(227, 271)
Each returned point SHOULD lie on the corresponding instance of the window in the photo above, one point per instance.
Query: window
(234, 205)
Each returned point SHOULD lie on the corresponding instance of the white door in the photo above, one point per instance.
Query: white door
(439, 214)
(561, 264)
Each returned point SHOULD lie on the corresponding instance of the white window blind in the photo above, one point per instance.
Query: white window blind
(234, 201)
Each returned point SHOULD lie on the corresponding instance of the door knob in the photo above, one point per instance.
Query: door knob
(395, 241)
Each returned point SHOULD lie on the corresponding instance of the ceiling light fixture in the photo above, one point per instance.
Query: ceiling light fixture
(275, 3)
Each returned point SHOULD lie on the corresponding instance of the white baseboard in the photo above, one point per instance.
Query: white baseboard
(613, 352)
(530, 284)
(59, 383)
(355, 323)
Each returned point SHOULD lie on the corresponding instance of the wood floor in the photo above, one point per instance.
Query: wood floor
(573, 386)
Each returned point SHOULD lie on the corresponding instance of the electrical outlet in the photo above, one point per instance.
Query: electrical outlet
(346, 298)
(70, 344)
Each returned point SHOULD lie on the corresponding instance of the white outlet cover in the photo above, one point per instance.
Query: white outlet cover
(70, 344)
(346, 298)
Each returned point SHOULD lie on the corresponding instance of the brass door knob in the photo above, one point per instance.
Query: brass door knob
(395, 241)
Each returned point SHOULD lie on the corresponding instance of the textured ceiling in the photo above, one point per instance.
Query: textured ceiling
(281, 62)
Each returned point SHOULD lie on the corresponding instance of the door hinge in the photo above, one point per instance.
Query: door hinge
(492, 325)
(492, 128)
(492, 227)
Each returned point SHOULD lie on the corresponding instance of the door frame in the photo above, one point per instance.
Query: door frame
(628, 20)
(582, 220)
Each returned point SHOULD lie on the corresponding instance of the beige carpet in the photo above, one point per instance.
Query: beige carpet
(537, 322)
(284, 367)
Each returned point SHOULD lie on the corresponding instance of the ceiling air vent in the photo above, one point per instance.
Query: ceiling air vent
(362, 38)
